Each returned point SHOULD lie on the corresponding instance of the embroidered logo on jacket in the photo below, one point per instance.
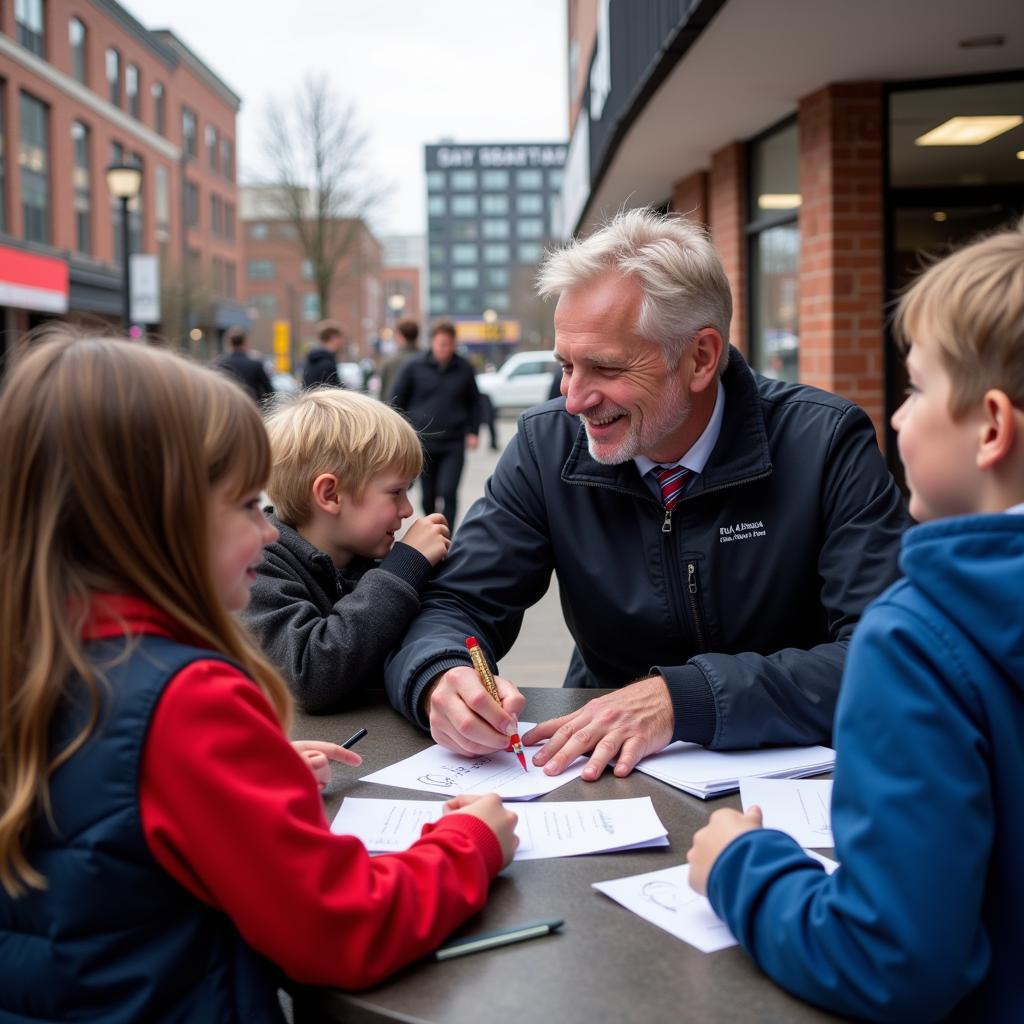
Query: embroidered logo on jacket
(741, 531)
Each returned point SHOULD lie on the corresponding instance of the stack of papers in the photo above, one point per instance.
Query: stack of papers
(665, 899)
(707, 773)
(436, 770)
(566, 829)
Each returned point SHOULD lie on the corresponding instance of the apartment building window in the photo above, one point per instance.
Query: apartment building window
(465, 231)
(438, 304)
(212, 148)
(131, 88)
(77, 35)
(29, 16)
(260, 270)
(532, 227)
(773, 232)
(191, 204)
(227, 159)
(438, 254)
(34, 160)
(464, 206)
(496, 277)
(114, 76)
(463, 181)
(265, 305)
(495, 229)
(498, 253)
(530, 202)
(437, 206)
(188, 131)
(3, 159)
(230, 279)
(257, 231)
(528, 252)
(465, 277)
(216, 215)
(529, 179)
(494, 204)
(229, 221)
(496, 301)
(435, 180)
(82, 178)
(464, 254)
(495, 181)
(307, 270)
(218, 275)
(310, 307)
(162, 202)
(555, 179)
(156, 90)
(438, 279)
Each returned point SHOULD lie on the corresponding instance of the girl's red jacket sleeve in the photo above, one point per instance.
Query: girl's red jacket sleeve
(232, 812)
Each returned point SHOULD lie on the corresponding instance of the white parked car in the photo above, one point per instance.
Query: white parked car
(523, 380)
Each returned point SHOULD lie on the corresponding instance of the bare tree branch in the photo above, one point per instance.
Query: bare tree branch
(318, 178)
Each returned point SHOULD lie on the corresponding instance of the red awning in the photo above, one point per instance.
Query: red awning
(28, 281)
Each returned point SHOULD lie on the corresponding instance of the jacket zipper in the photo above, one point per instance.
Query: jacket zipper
(693, 591)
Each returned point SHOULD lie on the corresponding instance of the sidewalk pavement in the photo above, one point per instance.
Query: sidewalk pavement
(542, 650)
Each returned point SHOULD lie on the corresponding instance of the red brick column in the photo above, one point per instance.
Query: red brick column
(841, 240)
(690, 197)
(726, 219)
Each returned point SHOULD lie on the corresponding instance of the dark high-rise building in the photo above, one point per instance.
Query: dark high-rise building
(488, 217)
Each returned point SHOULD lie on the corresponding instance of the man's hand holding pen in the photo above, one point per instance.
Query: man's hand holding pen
(464, 718)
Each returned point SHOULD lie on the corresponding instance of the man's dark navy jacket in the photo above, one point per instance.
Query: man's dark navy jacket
(746, 606)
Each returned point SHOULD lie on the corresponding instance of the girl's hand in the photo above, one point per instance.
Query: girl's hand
(722, 828)
(319, 754)
(491, 812)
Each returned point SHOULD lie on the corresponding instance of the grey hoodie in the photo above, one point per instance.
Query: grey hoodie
(328, 631)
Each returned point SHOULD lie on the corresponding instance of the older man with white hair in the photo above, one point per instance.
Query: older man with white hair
(716, 534)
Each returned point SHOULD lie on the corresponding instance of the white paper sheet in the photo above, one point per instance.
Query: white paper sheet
(436, 770)
(802, 808)
(665, 899)
(551, 829)
(706, 773)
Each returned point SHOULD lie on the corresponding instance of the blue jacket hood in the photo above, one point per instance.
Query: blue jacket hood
(973, 566)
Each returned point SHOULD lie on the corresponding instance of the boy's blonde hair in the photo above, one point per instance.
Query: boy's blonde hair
(330, 430)
(970, 306)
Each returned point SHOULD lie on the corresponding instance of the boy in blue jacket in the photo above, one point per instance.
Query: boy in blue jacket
(924, 919)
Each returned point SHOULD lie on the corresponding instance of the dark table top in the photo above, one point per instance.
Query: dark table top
(606, 964)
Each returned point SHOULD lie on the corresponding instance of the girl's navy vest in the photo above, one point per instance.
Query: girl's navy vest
(113, 937)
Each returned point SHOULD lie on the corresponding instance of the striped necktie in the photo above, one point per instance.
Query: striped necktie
(672, 480)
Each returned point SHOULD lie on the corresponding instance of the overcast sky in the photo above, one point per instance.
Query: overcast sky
(417, 70)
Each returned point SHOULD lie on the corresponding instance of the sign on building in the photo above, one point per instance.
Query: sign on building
(144, 273)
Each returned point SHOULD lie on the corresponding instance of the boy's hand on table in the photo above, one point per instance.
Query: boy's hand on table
(463, 716)
(491, 811)
(626, 725)
(430, 536)
(722, 828)
(318, 755)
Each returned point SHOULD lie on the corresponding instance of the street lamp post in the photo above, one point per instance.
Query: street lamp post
(125, 182)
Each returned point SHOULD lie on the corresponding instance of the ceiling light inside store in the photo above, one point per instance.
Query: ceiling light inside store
(1020, 154)
(939, 215)
(969, 131)
(778, 200)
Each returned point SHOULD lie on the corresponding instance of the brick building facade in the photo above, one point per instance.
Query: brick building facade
(794, 132)
(84, 85)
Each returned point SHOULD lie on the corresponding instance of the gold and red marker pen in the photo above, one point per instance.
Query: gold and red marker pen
(484, 672)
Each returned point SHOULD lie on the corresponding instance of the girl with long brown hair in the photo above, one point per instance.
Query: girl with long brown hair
(163, 848)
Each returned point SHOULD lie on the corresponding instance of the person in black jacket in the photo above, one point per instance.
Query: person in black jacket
(437, 391)
(244, 367)
(322, 362)
(716, 534)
